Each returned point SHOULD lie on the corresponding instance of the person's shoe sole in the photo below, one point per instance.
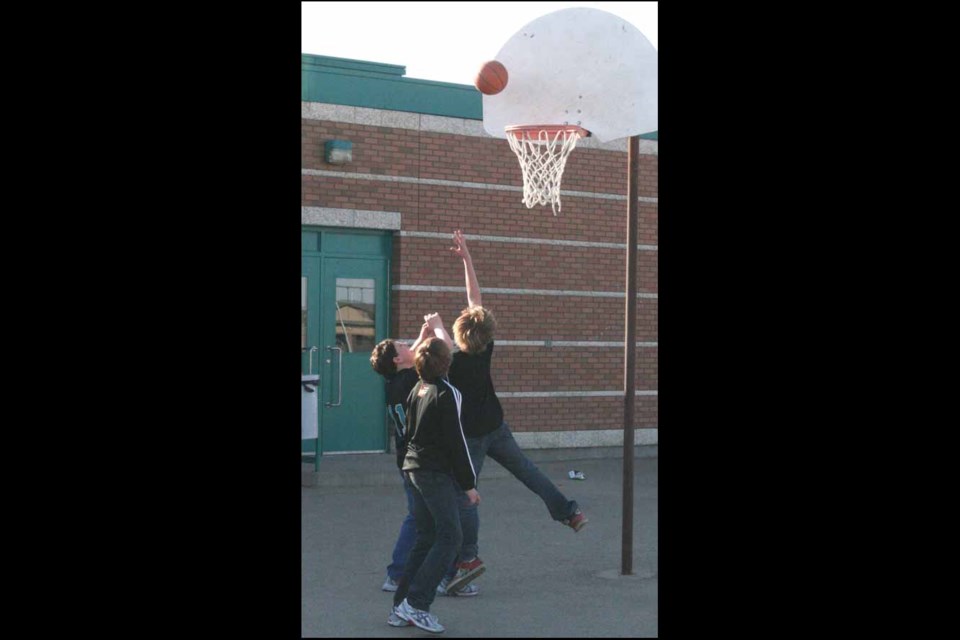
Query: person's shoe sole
(579, 525)
(458, 583)
(459, 594)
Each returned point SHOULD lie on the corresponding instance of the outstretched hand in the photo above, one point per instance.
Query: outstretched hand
(426, 331)
(460, 245)
(433, 320)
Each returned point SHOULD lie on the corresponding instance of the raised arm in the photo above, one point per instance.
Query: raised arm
(473, 287)
(426, 331)
(435, 323)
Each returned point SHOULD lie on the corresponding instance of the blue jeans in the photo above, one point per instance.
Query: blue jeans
(439, 536)
(500, 445)
(405, 539)
(408, 533)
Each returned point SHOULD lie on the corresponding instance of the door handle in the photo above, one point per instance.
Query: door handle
(310, 365)
(339, 378)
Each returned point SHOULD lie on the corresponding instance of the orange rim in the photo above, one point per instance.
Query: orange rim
(532, 131)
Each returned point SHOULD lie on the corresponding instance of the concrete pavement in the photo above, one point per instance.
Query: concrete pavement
(542, 579)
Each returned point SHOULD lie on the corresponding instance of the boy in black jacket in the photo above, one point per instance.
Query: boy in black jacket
(436, 463)
(393, 359)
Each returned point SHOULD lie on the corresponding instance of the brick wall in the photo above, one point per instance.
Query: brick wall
(391, 166)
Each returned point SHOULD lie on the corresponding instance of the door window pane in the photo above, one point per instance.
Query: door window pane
(356, 314)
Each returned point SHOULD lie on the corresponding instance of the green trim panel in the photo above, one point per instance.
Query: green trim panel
(375, 85)
(369, 68)
(355, 83)
(345, 242)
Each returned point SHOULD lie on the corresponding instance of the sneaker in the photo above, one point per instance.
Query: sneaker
(390, 584)
(469, 590)
(423, 619)
(576, 521)
(396, 621)
(466, 571)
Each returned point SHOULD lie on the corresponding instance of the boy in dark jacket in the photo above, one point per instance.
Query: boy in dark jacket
(436, 464)
(393, 359)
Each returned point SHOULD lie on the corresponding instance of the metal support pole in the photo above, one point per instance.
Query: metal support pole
(630, 356)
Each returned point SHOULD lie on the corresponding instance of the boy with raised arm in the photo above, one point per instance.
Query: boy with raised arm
(482, 416)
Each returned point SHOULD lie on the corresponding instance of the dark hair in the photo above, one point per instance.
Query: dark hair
(433, 359)
(381, 359)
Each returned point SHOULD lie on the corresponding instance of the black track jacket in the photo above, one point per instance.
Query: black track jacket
(434, 435)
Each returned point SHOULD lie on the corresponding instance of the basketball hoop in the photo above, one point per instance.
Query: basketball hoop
(542, 150)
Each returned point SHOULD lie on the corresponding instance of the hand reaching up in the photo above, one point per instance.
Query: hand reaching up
(460, 245)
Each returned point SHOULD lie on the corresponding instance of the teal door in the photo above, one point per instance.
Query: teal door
(345, 278)
(352, 419)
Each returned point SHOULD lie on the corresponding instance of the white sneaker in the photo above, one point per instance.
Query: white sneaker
(390, 584)
(396, 621)
(470, 589)
(423, 619)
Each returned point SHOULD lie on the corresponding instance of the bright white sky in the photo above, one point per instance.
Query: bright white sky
(442, 41)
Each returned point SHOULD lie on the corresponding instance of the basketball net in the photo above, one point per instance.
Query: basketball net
(542, 151)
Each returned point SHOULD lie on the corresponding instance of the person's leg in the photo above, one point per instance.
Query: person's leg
(505, 450)
(425, 533)
(469, 515)
(468, 565)
(439, 496)
(469, 524)
(405, 540)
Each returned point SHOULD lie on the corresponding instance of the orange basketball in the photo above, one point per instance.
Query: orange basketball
(492, 78)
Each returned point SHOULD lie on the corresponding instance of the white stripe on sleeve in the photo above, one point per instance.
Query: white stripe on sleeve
(457, 398)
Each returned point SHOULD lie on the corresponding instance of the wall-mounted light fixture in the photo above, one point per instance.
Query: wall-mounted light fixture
(338, 151)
